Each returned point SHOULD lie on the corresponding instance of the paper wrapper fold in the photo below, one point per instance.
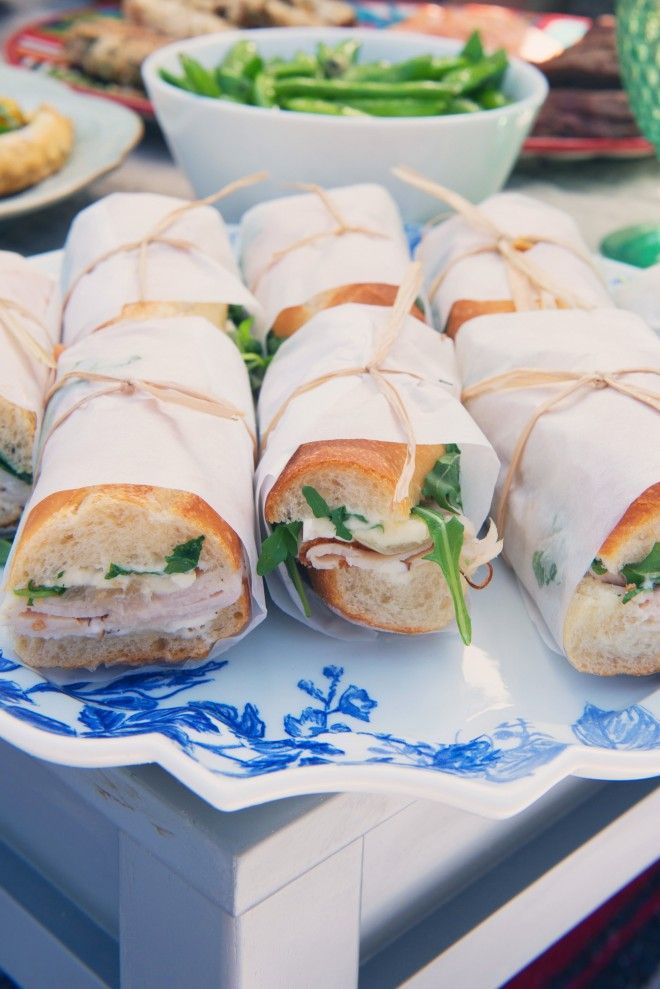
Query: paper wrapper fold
(329, 262)
(354, 408)
(585, 461)
(483, 277)
(136, 439)
(208, 274)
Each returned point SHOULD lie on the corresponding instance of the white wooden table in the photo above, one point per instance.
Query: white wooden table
(124, 878)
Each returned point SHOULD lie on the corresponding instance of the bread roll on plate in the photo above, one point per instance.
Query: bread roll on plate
(138, 543)
(346, 552)
(475, 282)
(29, 330)
(296, 267)
(582, 521)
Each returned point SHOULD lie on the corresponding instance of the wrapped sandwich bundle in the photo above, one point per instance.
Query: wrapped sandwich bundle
(29, 331)
(511, 253)
(306, 253)
(137, 255)
(138, 543)
(570, 401)
(373, 481)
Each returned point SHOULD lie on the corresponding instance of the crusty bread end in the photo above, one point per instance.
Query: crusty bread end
(465, 309)
(290, 320)
(634, 536)
(360, 474)
(17, 431)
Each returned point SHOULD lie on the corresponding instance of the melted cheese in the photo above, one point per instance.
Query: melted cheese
(147, 583)
(388, 538)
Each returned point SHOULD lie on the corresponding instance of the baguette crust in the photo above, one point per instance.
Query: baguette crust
(290, 320)
(361, 474)
(465, 309)
(214, 312)
(79, 652)
(632, 539)
(120, 509)
(420, 604)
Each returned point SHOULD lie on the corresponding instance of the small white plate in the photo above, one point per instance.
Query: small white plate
(105, 133)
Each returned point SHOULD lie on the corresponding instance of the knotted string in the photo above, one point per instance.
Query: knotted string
(158, 236)
(341, 228)
(162, 391)
(399, 312)
(18, 331)
(530, 285)
(575, 381)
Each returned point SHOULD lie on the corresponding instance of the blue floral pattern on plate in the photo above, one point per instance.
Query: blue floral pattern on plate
(236, 742)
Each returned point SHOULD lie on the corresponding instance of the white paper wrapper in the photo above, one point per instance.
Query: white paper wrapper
(24, 379)
(120, 439)
(354, 408)
(483, 276)
(585, 461)
(331, 261)
(209, 274)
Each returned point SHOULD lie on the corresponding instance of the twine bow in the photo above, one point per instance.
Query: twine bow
(17, 330)
(158, 235)
(341, 228)
(162, 391)
(529, 284)
(574, 381)
(406, 295)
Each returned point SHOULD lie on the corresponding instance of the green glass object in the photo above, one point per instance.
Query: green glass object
(639, 245)
(638, 43)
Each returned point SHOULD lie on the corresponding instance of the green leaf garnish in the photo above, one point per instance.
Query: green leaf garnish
(597, 566)
(447, 536)
(249, 348)
(545, 570)
(645, 575)
(338, 516)
(33, 591)
(316, 502)
(185, 556)
(5, 549)
(182, 559)
(443, 483)
(282, 547)
(23, 476)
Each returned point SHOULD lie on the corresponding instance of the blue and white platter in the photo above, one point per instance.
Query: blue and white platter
(488, 727)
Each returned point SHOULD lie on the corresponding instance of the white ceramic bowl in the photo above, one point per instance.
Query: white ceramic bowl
(215, 142)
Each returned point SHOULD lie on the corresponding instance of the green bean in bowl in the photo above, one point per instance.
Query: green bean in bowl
(333, 81)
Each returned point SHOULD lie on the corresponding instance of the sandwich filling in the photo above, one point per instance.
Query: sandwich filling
(633, 579)
(436, 530)
(179, 598)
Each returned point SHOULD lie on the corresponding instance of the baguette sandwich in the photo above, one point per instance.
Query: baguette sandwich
(138, 543)
(466, 277)
(340, 535)
(297, 264)
(29, 316)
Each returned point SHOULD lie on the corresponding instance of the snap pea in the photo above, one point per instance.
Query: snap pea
(346, 91)
(462, 104)
(202, 81)
(400, 107)
(421, 67)
(465, 80)
(263, 92)
(301, 65)
(305, 104)
(334, 62)
(490, 99)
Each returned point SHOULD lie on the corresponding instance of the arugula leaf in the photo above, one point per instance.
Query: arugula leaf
(282, 547)
(33, 591)
(338, 516)
(182, 559)
(447, 536)
(5, 548)
(185, 556)
(20, 475)
(645, 574)
(545, 570)
(273, 343)
(473, 50)
(443, 483)
(597, 566)
(281, 544)
(249, 348)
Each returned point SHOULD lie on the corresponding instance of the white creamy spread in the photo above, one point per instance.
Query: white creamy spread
(155, 583)
(388, 538)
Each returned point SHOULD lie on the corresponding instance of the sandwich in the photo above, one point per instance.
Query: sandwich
(578, 503)
(465, 276)
(297, 263)
(138, 543)
(29, 330)
(342, 534)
